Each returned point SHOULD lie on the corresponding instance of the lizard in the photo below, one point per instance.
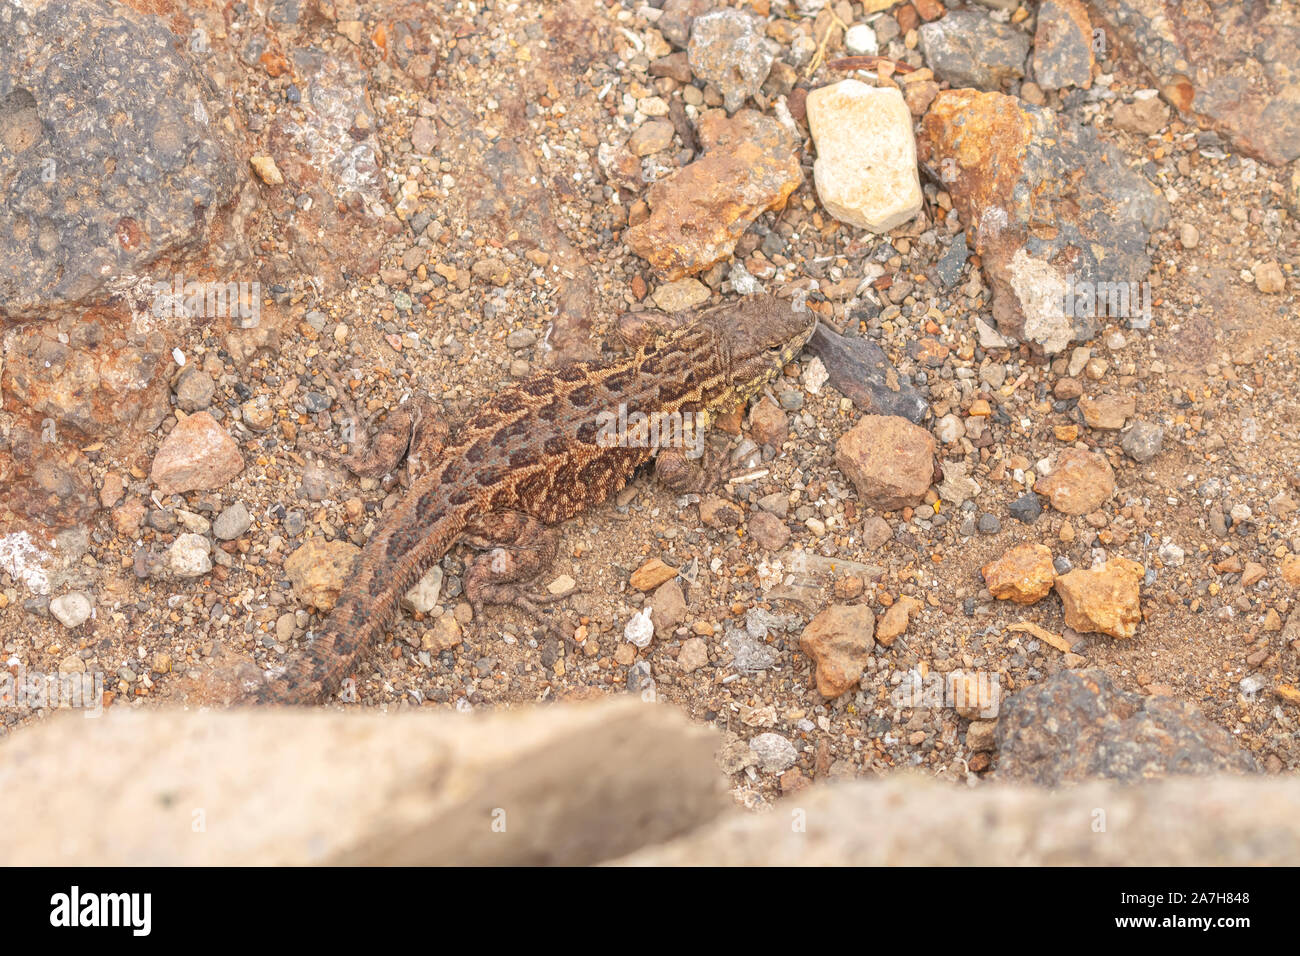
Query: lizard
(533, 456)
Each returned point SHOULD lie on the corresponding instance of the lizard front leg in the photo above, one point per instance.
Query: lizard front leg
(413, 431)
(679, 473)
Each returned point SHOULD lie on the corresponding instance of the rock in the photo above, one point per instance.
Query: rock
(768, 531)
(718, 512)
(1143, 441)
(875, 532)
(893, 623)
(980, 736)
(693, 655)
(402, 789)
(974, 694)
(863, 823)
(774, 752)
(1103, 600)
(1269, 278)
(1080, 482)
(839, 641)
(1024, 574)
(750, 165)
(1063, 45)
(968, 48)
(190, 556)
(652, 574)
(232, 522)
(889, 460)
(1107, 412)
(650, 137)
(958, 487)
(423, 597)
(196, 455)
(125, 111)
(769, 423)
(266, 170)
(424, 135)
(1291, 570)
(865, 171)
(1078, 725)
(445, 634)
(668, 605)
(1171, 555)
(727, 49)
(319, 570)
(1189, 237)
(1231, 65)
(860, 40)
(1027, 508)
(1008, 167)
(194, 390)
(859, 369)
(676, 19)
(681, 295)
(1144, 116)
(71, 610)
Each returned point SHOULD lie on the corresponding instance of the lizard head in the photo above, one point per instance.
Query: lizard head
(757, 338)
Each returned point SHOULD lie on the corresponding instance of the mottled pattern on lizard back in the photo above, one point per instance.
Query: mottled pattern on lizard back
(537, 447)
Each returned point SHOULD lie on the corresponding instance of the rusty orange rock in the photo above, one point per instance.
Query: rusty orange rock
(1024, 574)
(1082, 481)
(698, 214)
(1103, 600)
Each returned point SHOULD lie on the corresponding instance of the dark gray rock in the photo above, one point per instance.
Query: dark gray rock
(953, 261)
(860, 370)
(112, 151)
(1063, 45)
(1078, 726)
(968, 48)
(1027, 508)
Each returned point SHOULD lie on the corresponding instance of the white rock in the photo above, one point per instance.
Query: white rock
(860, 40)
(71, 610)
(640, 631)
(189, 556)
(865, 172)
(423, 598)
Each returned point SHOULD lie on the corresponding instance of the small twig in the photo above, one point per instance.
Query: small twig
(869, 62)
(820, 56)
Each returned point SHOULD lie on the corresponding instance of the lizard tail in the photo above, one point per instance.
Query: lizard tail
(389, 565)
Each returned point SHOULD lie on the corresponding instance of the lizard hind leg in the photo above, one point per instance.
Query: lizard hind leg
(516, 549)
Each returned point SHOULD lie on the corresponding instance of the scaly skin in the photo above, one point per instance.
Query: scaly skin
(533, 448)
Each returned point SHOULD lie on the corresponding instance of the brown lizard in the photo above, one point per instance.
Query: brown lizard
(533, 456)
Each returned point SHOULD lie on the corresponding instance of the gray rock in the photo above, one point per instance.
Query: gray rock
(194, 390)
(1027, 508)
(113, 152)
(1143, 441)
(1062, 46)
(953, 261)
(774, 752)
(968, 48)
(1078, 725)
(860, 370)
(232, 522)
(727, 48)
